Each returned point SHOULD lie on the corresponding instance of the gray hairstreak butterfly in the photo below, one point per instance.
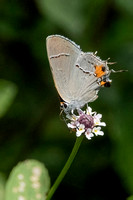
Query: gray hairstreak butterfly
(78, 76)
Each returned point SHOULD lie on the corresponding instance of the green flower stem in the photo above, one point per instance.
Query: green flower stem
(66, 167)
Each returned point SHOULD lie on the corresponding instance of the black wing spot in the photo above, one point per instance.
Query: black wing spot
(107, 84)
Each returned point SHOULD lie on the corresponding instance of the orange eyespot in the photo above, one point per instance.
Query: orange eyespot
(106, 84)
(100, 70)
(61, 103)
(102, 83)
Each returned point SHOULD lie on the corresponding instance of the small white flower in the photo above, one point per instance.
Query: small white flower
(71, 125)
(89, 134)
(80, 130)
(97, 131)
(89, 111)
(97, 121)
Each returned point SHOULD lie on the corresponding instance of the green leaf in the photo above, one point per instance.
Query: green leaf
(2, 187)
(130, 198)
(28, 180)
(8, 92)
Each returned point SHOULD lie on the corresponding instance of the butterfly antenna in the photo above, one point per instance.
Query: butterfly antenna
(62, 117)
(110, 63)
(95, 53)
(112, 70)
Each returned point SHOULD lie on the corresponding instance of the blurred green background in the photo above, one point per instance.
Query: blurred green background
(30, 125)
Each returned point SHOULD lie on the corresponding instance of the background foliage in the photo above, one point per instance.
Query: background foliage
(30, 126)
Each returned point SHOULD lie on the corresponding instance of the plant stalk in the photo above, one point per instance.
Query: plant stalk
(66, 167)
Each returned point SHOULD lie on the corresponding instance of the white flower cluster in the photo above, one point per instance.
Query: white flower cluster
(86, 122)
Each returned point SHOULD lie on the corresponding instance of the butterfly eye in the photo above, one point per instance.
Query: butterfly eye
(103, 69)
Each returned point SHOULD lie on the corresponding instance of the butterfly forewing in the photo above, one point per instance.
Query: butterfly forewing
(62, 55)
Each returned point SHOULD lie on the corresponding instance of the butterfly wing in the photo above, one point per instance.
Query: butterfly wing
(74, 72)
(84, 78)
(62, 55)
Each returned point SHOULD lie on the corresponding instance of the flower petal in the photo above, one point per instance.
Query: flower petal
(99, 116)
(101, 133)
(80, 130)
(96, 131)
(97, 121)
(71, 125)
(89, 135)
(102, 124)
(89, 110)
(78, 133)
